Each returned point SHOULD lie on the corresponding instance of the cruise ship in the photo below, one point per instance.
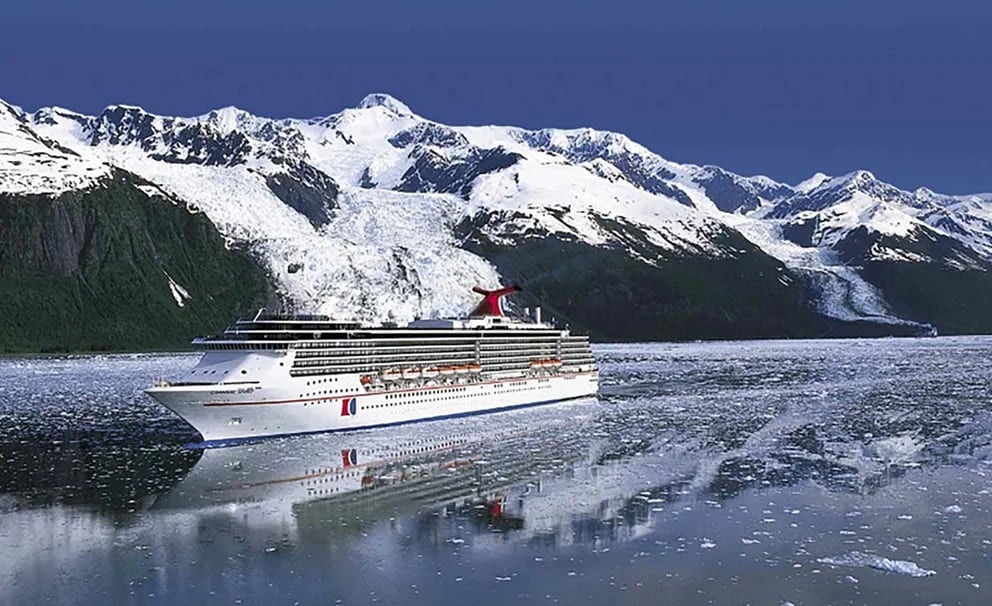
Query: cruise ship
(288, 374)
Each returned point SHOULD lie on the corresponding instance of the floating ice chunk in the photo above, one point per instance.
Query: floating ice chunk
(857, 558)
(894, 450)
(953, 509)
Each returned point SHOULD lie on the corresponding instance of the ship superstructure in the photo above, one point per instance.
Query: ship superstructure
(280, 374)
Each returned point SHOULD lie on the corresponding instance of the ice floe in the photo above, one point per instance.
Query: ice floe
(867, 560)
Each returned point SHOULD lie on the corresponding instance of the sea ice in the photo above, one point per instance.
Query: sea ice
(857, 558)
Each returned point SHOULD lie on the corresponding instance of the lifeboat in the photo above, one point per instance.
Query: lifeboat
(366, 379)
(474, 368)
(431, 372)
(446, 371)
(555, 363)
(411, 373)
(461, 370)
(393, 374)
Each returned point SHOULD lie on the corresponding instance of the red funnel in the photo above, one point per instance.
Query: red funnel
(491, 303)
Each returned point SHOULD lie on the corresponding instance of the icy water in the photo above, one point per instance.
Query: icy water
(754, 472)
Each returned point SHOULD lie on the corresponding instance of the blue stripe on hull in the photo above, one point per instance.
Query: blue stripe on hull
(457, 415)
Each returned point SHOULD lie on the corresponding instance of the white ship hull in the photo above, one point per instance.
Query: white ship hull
(296, 405)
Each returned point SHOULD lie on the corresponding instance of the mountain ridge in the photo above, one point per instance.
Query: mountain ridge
(364, 212)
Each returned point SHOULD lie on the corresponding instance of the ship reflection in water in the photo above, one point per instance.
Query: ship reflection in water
(526, 476)
(769, 473)
(498, 474)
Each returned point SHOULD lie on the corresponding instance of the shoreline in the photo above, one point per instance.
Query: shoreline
(117, 352)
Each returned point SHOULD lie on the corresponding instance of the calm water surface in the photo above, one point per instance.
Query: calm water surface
(753, 472)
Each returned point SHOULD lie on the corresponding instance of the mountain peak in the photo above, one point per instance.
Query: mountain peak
(858, 177)
(229, 111)
(125, 107)
(54, 115)
(385, 100)
(227, 119)
(120, 112)
(812, 183)
(13, 110)
(855, 180)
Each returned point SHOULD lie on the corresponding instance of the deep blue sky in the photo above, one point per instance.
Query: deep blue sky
(902, 87)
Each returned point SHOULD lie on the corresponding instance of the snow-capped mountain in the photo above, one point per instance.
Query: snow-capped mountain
(375, 212)
(825, 215)
(348, 251)
(873, 241)
(367, 197)
(30, 163)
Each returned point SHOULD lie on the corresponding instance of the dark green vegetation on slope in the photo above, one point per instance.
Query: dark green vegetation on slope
(952, 289)
(87, 271)
(954, 301)
(602, 291)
